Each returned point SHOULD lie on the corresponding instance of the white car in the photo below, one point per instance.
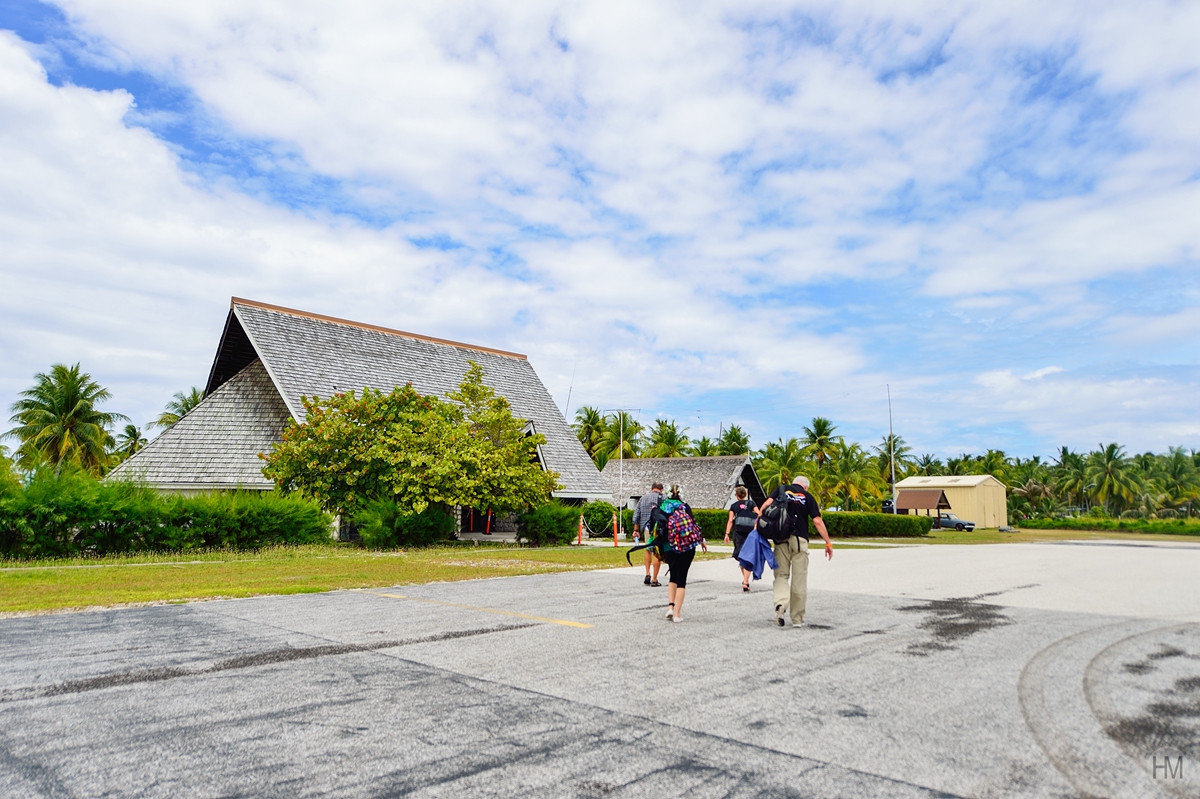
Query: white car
(950, 520)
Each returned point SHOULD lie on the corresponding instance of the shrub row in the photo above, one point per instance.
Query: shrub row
(73, 514)
(1163, 526)
(383, 524)
(551, 524)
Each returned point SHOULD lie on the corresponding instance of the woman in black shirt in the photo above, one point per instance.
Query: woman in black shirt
(743, 516)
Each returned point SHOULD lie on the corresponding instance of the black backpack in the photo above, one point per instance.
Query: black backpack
(744, 521)
(779, 520)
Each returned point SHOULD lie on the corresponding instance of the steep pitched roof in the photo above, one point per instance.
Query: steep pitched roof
(216, 445)
(305, 354)
(703, 482)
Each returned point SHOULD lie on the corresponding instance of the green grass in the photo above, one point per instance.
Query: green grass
(34, 586)
(994, 536)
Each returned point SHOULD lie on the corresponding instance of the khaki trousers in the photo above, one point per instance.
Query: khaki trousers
(791, 561)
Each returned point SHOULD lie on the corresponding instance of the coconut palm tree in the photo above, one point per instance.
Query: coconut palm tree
(703, 447)
(57, 421)
(1114, 478)
(180, 405)
(589, 427)
(667, 440)
(883, 456)
(621, 437)
(129, 441)
(853, 477)
(733, 441)
(779, 462)
(928, 465)
(819, 440)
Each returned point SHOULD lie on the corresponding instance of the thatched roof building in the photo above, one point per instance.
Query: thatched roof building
(271, 356)
(703, 482)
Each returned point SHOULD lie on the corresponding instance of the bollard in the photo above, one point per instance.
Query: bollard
(581, 529)
(615, 529)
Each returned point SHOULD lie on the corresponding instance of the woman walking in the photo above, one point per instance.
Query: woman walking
(683, 534)
(743, 518)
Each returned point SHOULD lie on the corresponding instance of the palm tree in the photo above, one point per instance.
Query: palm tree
(883, 456)
(129, 441)
(58, 421)
(819, 440)
(179, 406)
(734, 441)
(853, 477)
(703, 447)
(1070, 479)
(780, 462)
(589, 427)
(1110, 472)
(1180, 479)
(928, 465)
(622, 434)
(667, 440)
(995, 463)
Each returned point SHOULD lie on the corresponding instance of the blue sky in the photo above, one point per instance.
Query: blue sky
(721, 213)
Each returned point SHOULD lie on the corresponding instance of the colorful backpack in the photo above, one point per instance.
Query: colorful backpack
(683, 533)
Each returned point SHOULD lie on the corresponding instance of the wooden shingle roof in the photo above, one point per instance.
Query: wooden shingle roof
(216, 446)
(703, 482)
(307, 354)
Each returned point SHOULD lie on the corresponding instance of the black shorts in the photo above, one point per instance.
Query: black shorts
(679, 563)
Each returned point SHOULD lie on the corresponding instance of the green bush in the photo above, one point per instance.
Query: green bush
(384, 525)
(1161, 526)
(551, 524)
(846, 524)
(712, 522)
(61, 515)
(598, 516)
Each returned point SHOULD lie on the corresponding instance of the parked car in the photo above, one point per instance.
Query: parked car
(887, 507)
(950, 520)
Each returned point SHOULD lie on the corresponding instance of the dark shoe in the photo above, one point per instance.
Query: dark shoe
(656, 584)
(647, 580)
(779, 616)
(746, 587)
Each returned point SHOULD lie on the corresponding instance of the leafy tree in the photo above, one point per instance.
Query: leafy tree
(58, 421)
(819, 440)
(667, 440)
(703, 447)
(733, 441)
(1180, 479)
(8, 476)
(179, 406)
(129, 441)
(416, 451)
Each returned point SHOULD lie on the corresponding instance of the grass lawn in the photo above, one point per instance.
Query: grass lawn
(32, 586)
(994, 536)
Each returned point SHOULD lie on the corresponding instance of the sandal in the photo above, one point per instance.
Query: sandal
(656, 584)
(746, 587)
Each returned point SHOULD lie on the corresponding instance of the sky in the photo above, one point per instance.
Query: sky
(720, 213)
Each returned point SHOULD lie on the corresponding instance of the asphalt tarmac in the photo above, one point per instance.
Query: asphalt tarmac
(1043, 670)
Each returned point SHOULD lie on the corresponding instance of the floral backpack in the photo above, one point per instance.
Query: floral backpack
(683, 533)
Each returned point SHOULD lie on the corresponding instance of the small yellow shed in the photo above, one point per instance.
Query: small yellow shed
(979, 498)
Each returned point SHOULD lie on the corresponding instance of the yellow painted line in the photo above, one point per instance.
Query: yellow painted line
(563, 622)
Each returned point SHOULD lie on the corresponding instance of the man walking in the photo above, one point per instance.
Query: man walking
(641, 522)
(791, 547)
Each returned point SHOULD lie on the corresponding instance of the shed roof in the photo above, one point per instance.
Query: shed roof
(306, 354)
(922, 499)
(703, 482)
(947, 481)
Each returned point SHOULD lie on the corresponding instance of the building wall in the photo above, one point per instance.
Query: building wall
(985, 504)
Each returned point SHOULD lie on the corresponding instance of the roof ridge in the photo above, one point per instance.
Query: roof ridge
(233, 301)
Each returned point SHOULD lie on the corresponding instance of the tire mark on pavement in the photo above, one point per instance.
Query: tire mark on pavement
(266, 658)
